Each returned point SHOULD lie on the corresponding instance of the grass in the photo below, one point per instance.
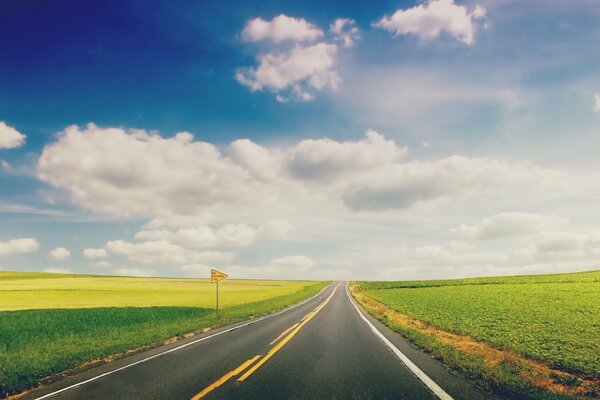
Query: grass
(114, 315)
(553, 319)
(23, 291)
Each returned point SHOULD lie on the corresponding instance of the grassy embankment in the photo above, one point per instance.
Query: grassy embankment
(532, 337)
(50, 323)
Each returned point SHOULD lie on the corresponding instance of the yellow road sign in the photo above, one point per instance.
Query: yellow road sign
(216, 276)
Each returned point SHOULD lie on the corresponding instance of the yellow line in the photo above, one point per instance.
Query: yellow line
(307, 315)
(225, 378)
(289, 337)
(282, 334)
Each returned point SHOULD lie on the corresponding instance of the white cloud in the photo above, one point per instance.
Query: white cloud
(174, 221)
(94, 253)
(403, 185)
(226, 235)
(18, 246)
(59, 254)
(132, 272)
(433, 18)
(328, 159)
(164, 252)
(295, 263)
(279, 29)
(102, 264)
(299, 71)
(507, 224)
(57, 271)
(274, 229)
(136, 173)
(262, 163)
(296, 266)
(597, 102)
(345, 31)
(5, 165)
(198, 270)
(568, 246)
(10, 138)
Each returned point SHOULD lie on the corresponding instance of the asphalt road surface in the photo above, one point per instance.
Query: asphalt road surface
(323, 348)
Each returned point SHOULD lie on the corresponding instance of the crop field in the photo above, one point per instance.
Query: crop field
(50, 322)
(554, 319)
(27, 290)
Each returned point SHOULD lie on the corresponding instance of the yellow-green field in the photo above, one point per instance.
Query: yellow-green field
(553, 320)
(27, 291)
(50, 322)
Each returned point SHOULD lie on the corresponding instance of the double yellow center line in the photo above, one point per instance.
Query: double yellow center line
(290, 332)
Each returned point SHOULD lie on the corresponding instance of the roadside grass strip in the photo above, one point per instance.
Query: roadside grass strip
(38, 343)
(430, 383)
(526, 337)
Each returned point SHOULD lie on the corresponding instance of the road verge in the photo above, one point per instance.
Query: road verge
(503, 372)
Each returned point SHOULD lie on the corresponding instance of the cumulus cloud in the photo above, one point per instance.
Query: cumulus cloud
(94, 253)
(164, 252)
(10, 138)
(447, 256)
(136, 173)
(507, 224)
(327, 159)
(345, 31)
(18, 246)
(597, 103)
(262, 163)
(200, 270)
(403, 185)
(179, 182)
(226, 235)
(296, 266)
(59, 254)
(567, 246)
(279, 29)
(298, 262)
(434, 17)
(102, 264)
(299, 71)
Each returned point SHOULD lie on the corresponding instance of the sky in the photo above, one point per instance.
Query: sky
(300, 139)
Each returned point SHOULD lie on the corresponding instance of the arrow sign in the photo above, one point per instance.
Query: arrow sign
(216, 276)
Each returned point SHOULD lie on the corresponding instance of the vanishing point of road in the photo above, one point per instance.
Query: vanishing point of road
(323, 348)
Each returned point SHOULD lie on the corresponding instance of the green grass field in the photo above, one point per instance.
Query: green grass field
(50, 322)
(554, 319)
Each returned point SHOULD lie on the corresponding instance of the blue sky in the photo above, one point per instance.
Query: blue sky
(331, 140)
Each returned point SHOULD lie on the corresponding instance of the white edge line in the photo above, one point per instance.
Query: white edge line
(434, 387)
(253, 321)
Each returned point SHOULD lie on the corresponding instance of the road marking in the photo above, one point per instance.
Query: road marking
(225, 378)
(434, 387)
(254, 321)
(289, 337)
(307, 315)
(282, 334)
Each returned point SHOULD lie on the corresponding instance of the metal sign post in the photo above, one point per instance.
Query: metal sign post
(215, 277)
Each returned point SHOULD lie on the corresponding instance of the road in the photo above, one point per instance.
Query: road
(321, 349)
